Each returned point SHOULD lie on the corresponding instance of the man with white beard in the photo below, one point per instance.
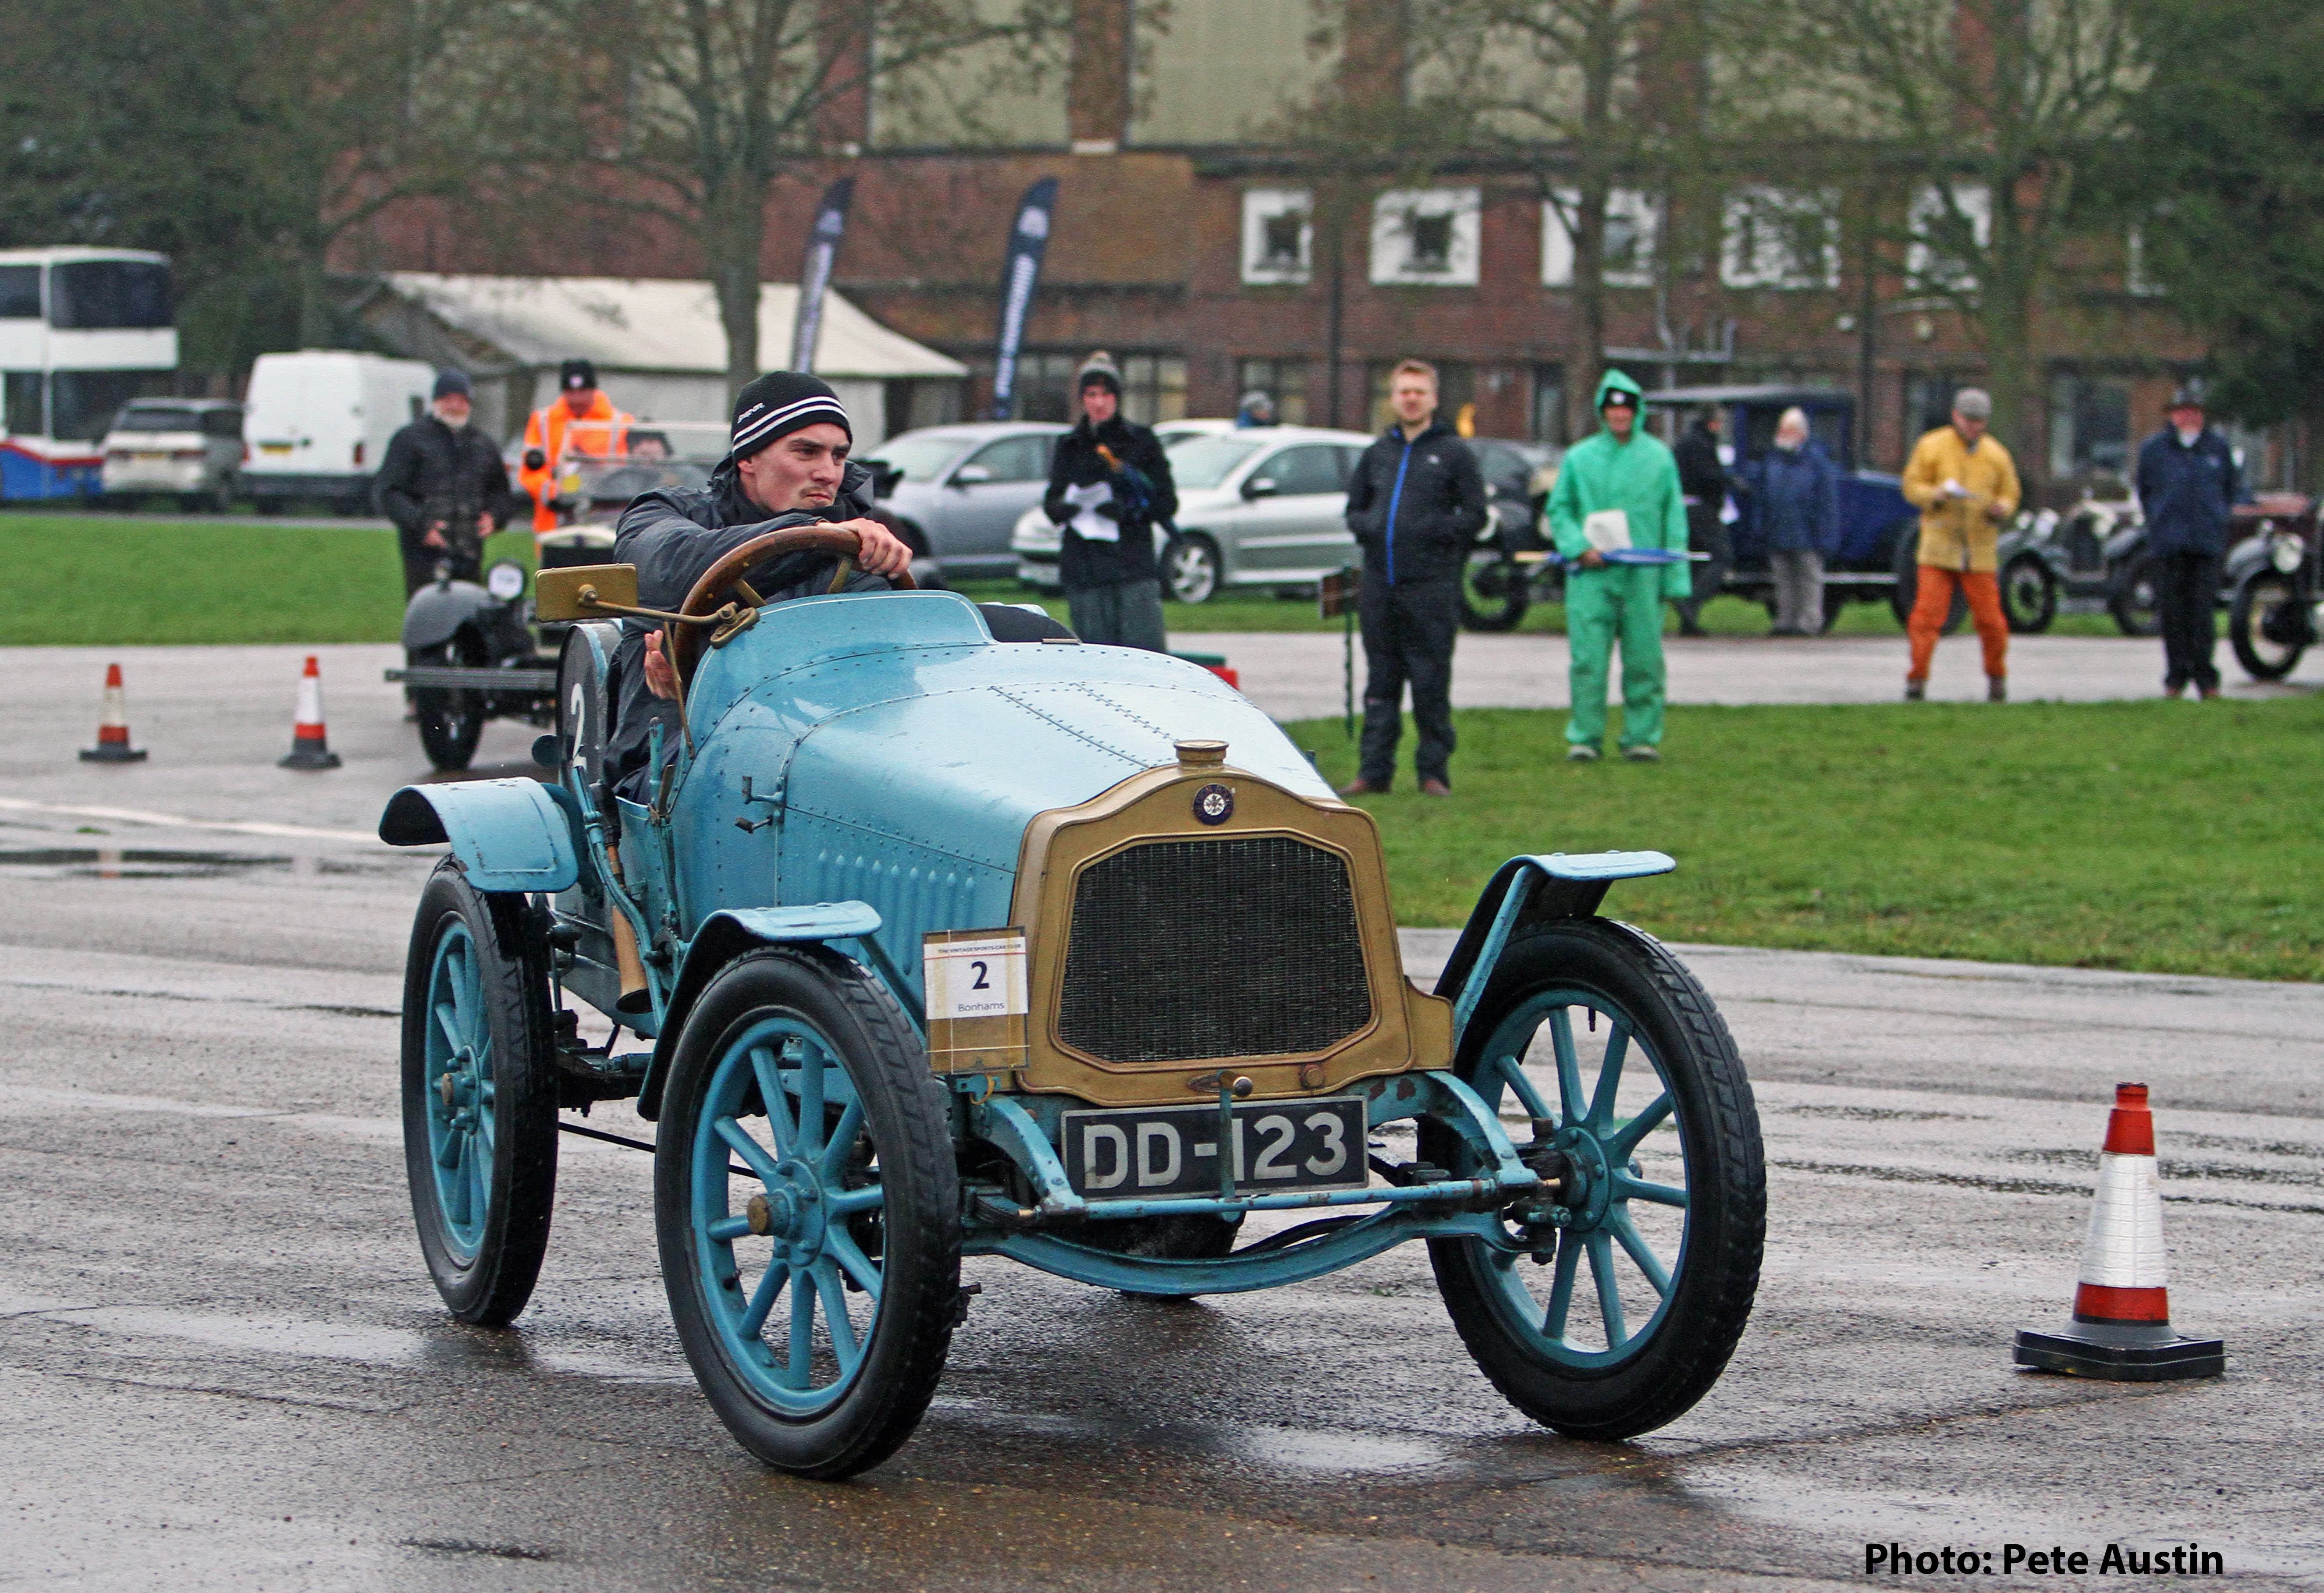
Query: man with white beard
(444, 486)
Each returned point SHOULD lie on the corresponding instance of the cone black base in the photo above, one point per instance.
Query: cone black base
(309, 758)
(2121, 1357)
(113, 755)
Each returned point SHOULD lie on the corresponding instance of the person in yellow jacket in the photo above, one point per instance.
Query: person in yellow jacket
(1965, 486)
(582, 424)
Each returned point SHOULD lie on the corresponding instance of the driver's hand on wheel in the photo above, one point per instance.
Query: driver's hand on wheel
(882, 553)
(662, 675)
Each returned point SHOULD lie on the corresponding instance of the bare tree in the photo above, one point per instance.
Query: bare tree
(690, 110)
(1994, 113)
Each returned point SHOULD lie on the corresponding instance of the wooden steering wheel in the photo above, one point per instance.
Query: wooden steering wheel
(723, 582)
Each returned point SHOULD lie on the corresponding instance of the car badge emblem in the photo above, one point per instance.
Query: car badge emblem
(1214, 804)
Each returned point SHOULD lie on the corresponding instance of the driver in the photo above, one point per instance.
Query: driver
(786, 465)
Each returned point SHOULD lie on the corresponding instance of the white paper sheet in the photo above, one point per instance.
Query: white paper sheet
(1092, 526)
(1607, 530)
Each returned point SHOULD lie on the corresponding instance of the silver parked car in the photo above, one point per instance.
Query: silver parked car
(1258, 507)
(190, 448)
(958, 490)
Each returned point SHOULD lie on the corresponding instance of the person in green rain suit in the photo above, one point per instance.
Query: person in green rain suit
(1621, 479)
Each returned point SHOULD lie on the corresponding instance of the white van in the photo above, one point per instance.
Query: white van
(318, 423)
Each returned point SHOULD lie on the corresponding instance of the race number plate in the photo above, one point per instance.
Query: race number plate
(1173, 1150)
(976, 1007)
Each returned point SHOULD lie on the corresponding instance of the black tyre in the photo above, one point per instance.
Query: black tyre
(1595, 1031)
(479, 1095)
(1495, 594)
(847, 1218)
(2029, 594)
(2268, 625)
(451, 721)
(2131, 597)
(1191, 568)
(1908, 587)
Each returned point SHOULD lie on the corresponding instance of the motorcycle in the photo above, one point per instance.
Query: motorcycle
(2273, 614)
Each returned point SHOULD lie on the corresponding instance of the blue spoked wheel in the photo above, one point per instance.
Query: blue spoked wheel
(479, 1096)
(1612, 1072)
(808, 1212)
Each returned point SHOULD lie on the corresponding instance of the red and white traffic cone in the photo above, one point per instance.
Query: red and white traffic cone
(2121, 1328)
(113, 726)
(310, 747)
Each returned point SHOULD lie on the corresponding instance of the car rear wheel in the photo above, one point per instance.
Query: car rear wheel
(1620, 1298)
(479, 1096)
(2267, 626)
(808, 1212)
(1190, 568)
(2131, 597)
(451, 720)
(2029, 594)
(1494, 595)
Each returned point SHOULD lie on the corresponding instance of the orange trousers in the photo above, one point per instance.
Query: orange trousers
(1934, 600)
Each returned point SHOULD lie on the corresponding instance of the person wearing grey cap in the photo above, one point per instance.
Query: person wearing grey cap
(1965, 486)
(445, 487)
(2188, 485)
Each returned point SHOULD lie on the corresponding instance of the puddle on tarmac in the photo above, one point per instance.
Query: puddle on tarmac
(143, 862)
(1293, 1449)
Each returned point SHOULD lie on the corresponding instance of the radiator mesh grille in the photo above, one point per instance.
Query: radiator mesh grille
(1239, 947)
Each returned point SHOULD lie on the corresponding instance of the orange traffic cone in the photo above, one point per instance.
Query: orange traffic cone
(2121, 1328)
(310, 747)
(113, 726)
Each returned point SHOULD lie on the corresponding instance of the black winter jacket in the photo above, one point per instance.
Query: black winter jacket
(2186, 492)
(434, 472)
(1078, 464)
(673, 536)
(1701, 476)
(1432, 487)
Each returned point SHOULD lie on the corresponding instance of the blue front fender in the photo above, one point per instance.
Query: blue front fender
(1528, 890)
(508, 834)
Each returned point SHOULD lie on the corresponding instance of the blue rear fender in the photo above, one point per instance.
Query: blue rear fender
(515, 835)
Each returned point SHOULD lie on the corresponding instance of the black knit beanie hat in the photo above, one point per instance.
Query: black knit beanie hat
(779, 403)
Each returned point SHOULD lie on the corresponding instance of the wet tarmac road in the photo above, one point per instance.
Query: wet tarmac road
(221, 1363)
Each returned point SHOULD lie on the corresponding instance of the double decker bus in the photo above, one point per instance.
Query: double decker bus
(82, 332)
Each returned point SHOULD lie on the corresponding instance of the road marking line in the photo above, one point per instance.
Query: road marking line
(171, 821)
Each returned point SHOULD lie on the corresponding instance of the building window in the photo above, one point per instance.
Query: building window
(1633, 222)
(1284, 381)
(1950, 227)
(1279, 235)
(2138, 278)
(1153, 385)
(1782, 238)
(1426, 236)
(1928, 402)
(1456, 388)
(1547, 412)
(2090, 426)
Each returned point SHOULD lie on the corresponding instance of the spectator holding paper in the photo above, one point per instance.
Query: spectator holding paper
(1965, 486)
(1109, 487)
(1618, 518)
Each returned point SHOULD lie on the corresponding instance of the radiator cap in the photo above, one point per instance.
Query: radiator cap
(1201, 754)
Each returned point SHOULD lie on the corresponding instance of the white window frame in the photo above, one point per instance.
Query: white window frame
(1753, 255)
(1261, 205)
(1392, 216)
(1923, 267)
(2135, 279)
(1643, 209)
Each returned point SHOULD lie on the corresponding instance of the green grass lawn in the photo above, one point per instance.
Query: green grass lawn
(115, 583)
(2164, 836)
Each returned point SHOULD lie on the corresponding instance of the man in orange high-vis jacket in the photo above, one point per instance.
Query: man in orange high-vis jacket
(581, 424)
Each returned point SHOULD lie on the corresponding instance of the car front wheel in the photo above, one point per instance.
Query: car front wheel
(1190, 568)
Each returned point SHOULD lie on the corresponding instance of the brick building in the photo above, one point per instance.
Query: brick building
(1195, 242)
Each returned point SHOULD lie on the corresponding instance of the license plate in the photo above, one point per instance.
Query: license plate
(146, 458)
(275, 447)
(1173, 1150)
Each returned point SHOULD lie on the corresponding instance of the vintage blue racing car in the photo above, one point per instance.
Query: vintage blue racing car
(935, 946)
